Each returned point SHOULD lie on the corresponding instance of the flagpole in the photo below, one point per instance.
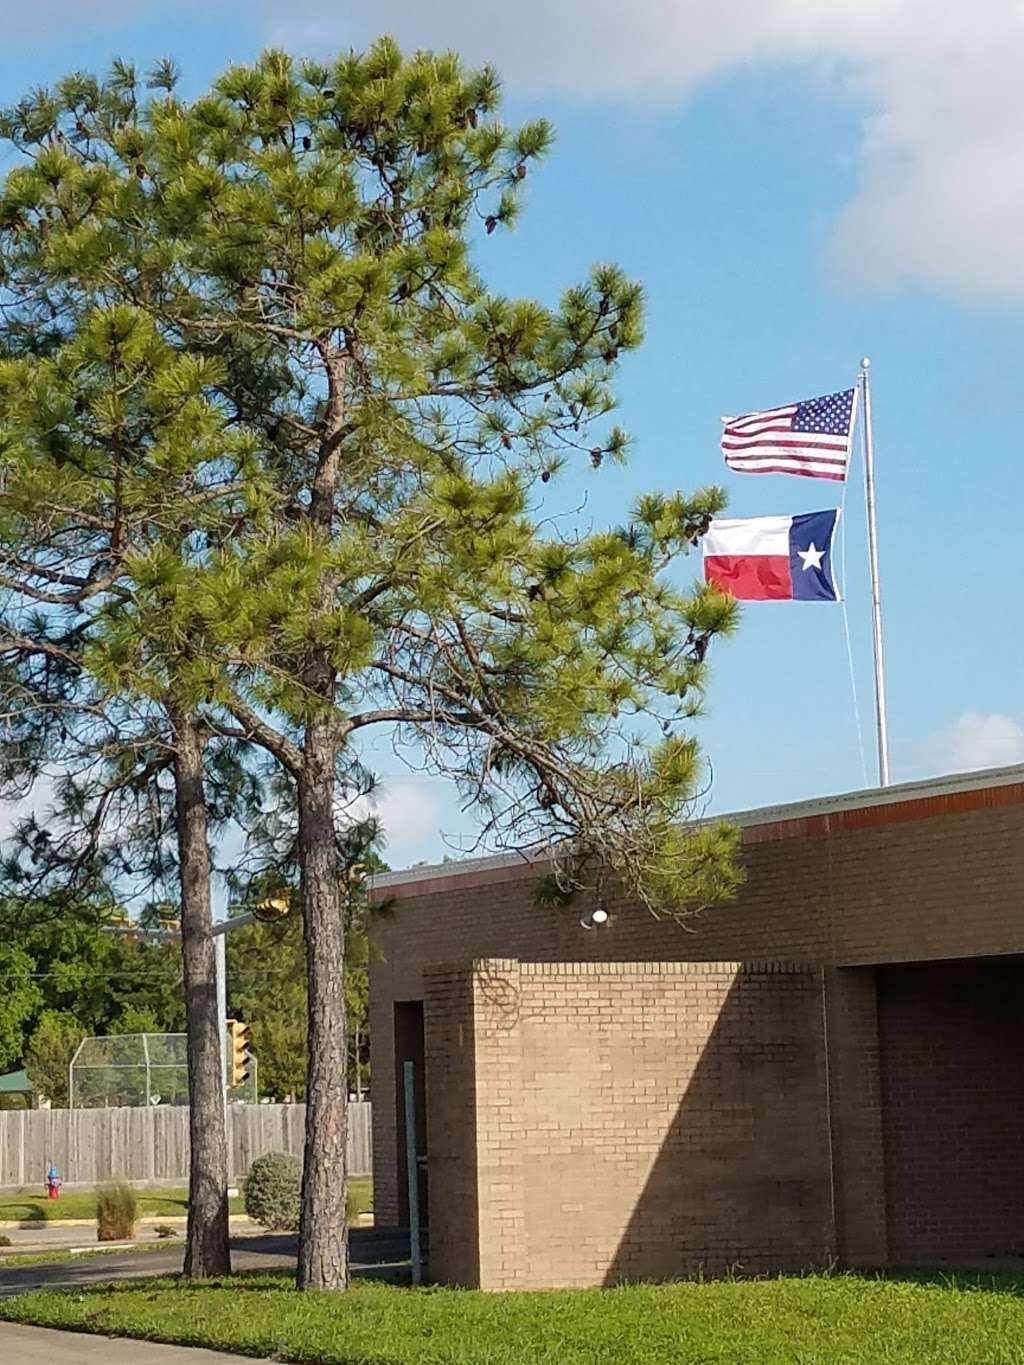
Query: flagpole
(876, 600)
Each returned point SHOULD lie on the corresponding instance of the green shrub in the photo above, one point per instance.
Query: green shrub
(5, 1241)
(272, 1190)
(117, 1212)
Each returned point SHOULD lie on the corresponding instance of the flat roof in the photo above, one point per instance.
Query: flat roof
(904, 794)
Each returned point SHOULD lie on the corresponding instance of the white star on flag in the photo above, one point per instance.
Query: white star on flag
(811, 557)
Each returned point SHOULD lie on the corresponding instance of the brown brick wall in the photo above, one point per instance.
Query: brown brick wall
(945, 886)
(629, 1121)
(919, 881)
(952, 1049)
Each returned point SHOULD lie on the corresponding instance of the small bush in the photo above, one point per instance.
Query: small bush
(272, 1190)
(165, 1230)
(117, 1212)
(5, 1241)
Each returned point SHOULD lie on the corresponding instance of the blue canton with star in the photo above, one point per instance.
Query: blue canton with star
(810, 556)
(829, 415)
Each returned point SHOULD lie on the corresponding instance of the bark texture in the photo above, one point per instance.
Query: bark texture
(323, 1234)
(323, 1238)
(207, 1250)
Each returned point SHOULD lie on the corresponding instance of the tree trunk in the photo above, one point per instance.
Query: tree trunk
(323, 1244)
(207, 1251)
(322, 1233)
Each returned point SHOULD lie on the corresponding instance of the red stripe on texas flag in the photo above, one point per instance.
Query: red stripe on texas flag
(752, 578)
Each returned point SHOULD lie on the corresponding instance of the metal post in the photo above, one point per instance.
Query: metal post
(145, 1050)
(71, 1074)
(876, 599)
(412, 1174)
(221, 960)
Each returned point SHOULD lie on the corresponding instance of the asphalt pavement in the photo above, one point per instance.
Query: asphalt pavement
(381, 1253)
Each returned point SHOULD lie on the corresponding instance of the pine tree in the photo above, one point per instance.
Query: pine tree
(107, 445)
(306, 237)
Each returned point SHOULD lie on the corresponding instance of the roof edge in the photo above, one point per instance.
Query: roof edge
(869, 798)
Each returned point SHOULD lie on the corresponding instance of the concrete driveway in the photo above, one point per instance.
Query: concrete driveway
(38, 1346)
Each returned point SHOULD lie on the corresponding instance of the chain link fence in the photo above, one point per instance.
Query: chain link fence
(139, 1070)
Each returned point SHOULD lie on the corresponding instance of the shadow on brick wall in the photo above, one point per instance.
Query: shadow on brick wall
(741, 1178)
(952, 1045)
(451, 1128)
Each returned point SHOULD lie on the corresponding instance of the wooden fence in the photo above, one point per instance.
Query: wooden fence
(89, 1145)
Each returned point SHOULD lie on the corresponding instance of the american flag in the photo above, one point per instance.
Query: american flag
(811, 438)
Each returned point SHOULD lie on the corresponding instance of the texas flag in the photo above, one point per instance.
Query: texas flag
(773, 559)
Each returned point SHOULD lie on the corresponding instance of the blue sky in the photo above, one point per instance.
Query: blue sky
(792, 196)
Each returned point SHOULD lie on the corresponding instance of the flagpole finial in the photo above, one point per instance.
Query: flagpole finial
(865, 363)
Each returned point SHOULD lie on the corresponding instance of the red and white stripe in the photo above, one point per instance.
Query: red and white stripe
(765, 443)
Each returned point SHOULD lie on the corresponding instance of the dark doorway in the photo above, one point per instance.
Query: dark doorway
(409, 1048)
(951, 1040)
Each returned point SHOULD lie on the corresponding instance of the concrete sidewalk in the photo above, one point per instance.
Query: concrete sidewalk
(39, 1346)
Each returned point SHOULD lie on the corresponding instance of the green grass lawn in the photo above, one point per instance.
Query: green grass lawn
(817, 1320)
(361, 1192)
(162, 1203)
(155, 1203)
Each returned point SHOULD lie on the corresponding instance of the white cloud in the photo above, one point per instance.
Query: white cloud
(980, 740)
(940, 194)
(416, 814)
(409, 811)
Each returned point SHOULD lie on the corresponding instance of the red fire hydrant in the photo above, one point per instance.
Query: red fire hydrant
(53, 1183)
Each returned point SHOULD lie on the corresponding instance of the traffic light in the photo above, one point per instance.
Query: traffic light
(273, 908)
(239, 1057)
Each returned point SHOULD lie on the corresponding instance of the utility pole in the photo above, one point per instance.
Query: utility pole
(221, 967)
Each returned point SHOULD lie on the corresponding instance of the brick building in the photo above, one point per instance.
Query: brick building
(829, 1068)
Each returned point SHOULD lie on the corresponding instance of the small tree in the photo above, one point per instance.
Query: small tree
(49, 1053)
